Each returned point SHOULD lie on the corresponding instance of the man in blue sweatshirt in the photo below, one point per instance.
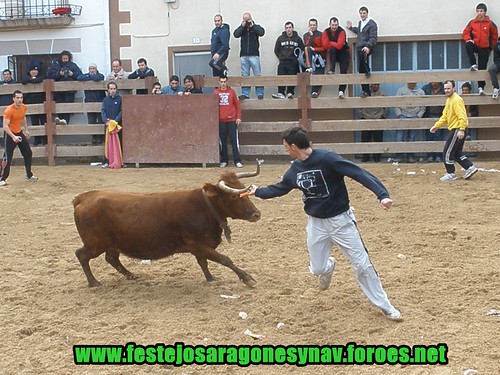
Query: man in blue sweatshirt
(319, 174)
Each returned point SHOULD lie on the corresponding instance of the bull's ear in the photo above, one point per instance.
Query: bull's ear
(210, 190)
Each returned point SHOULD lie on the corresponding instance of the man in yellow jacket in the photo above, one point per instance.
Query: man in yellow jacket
(455, 115)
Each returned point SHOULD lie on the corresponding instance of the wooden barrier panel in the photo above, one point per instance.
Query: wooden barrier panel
(170, 129)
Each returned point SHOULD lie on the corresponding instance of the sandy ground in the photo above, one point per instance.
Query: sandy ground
(444, 281)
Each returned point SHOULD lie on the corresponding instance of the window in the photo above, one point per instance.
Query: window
(418, 55)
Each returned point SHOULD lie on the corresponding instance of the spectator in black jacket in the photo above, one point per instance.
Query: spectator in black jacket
(34, 77)
(249, 32)
(63, 70)
(287, 48)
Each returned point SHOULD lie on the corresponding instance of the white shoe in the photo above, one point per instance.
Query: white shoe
(278, 96)
(341, 95)
(448, 177)
(33, 178)
(223, 165)
(326, 278)
(470, 172)
(495, 94)
(3, 183)
(239, 165)
(474, 67)
(314, 94)
(480, 91)
(394, 315)
(289, 95)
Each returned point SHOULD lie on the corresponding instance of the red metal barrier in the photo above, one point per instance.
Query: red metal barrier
(170, 129)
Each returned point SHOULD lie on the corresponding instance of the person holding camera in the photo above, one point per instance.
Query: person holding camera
(64, 69)
(249, 32)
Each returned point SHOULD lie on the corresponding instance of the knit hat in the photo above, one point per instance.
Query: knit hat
(92, 65)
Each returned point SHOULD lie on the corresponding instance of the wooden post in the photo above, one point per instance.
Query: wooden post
(304, 100)
(150, 81)
(50, 130)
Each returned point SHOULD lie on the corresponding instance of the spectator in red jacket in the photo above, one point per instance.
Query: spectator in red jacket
(480, 36)
(337, 50)
(229, 119)
(314, 53)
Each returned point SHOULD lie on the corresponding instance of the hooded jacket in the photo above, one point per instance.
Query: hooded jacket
(285, 47)
(484, 33)
(229, 105)
(220, 40)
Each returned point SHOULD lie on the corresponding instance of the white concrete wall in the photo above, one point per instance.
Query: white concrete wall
(156, 24)
(92, 27)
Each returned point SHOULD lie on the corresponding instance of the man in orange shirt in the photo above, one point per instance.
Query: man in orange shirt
(14, 120)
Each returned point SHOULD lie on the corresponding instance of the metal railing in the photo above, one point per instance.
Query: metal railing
(26, 9)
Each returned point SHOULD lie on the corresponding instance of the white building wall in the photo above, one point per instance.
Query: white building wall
(157, 24)
(91, 28)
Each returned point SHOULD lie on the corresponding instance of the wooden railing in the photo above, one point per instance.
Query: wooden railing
(330, 120)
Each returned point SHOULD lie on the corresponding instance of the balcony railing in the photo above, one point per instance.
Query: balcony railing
(26, 9)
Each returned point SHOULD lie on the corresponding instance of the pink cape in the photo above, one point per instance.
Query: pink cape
(112, 147)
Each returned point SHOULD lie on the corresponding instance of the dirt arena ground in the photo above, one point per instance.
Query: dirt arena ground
(436, 250)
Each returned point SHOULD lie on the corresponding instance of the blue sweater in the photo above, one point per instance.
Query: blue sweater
(112, 108)
(321, 179)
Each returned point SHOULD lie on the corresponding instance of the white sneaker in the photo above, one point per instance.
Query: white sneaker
(33, 178)
(341, 95)
(314, 94)
(326, 278)
(480, 91)
(473, 67)
(448, 177)
(223, 165)
(239, 165)
(3, 183)
(105, 165)
(495, 94)
(470, 172)
(289, 95)
(278, 96)
(309, 70)
(394, 315)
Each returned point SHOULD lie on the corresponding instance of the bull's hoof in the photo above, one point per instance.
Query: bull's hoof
(94, 284)
(249, 281)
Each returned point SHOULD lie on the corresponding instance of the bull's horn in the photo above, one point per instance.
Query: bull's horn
(229, 189)
(250, 174)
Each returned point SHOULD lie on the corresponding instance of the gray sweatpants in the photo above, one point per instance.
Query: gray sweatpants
(341, 230)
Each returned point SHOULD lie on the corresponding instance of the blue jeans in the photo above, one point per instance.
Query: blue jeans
(252, 62)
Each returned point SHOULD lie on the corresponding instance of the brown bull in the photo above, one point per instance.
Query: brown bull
(156, 225)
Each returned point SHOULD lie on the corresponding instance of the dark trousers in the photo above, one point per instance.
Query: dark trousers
(452, 153)
(219, 68)
(40, 119)
(364, 67)
(65, 97)
(10, 146)
(372, 136)
(483, 54)
(287, 68)
(229, 129)
(342, 57)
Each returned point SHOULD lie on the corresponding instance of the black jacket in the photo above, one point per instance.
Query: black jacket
(285, 47)
(249, 44)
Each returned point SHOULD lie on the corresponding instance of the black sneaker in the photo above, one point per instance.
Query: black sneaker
(243, 97)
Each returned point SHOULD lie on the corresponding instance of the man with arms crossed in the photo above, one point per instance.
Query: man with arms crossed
(319, 174)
